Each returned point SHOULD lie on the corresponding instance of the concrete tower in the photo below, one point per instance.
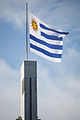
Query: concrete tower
(29, 90)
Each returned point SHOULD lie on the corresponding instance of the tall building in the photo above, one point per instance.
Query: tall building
(29, 90)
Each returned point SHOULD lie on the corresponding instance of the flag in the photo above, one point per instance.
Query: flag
(44, 40)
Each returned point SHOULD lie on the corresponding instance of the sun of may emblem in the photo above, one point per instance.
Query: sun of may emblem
(34, 25)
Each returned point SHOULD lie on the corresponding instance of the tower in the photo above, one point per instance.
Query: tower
(29, 90)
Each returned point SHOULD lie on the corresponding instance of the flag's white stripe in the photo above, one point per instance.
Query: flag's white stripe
(45, 56)
(54, 42)
(48, 32)
(45, 47)
(52, 29)
(51, 37)
(51, 32)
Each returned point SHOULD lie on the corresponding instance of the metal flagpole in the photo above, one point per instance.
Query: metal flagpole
(27, 29)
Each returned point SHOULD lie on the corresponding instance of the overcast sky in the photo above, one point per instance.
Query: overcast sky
(58, 83)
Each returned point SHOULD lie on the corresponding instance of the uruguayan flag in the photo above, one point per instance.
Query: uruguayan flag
(44, 40)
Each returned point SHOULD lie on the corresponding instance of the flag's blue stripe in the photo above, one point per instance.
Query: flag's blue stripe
(59, 47)
(51, 37)
(47, 28)
(45, 52)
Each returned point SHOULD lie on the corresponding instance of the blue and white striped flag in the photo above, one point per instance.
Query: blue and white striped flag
(44, 40)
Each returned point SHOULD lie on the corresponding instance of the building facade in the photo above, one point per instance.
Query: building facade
(29, 90)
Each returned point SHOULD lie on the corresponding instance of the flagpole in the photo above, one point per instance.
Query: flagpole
(26, 29)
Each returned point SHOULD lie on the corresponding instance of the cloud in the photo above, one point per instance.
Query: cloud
(9, 92)
(58, 90)
(77, 29)
(59, 95)
(13, 12)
